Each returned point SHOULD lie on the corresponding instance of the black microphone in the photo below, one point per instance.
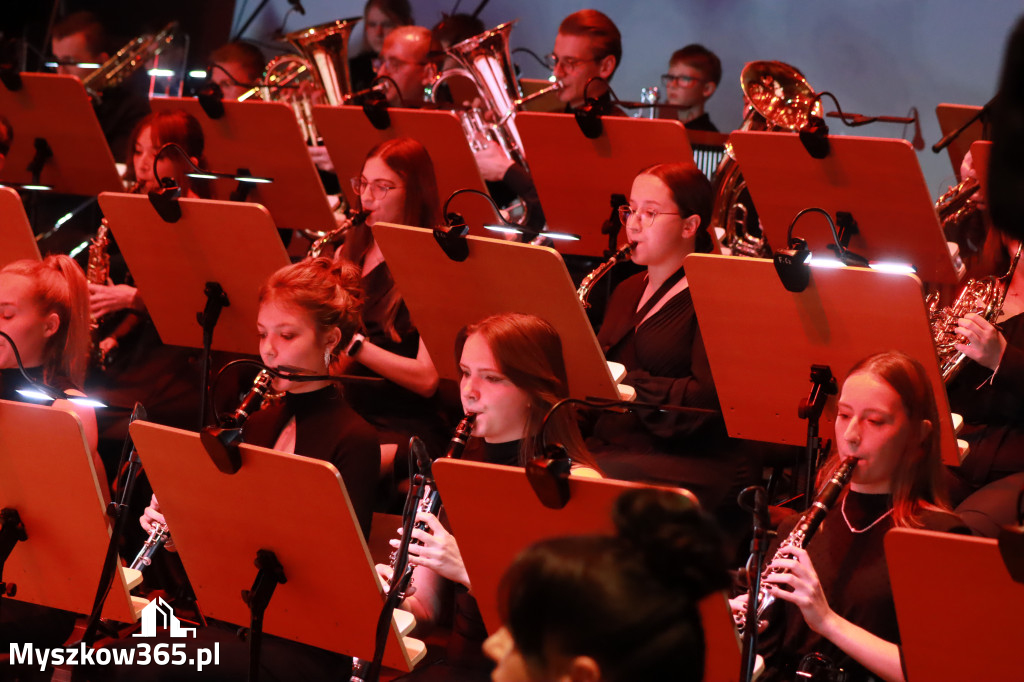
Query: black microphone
(297, 6)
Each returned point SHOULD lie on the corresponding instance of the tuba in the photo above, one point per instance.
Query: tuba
(317, 75)
(486, 61)
(128, 60)
(980, 296)
(778, 98)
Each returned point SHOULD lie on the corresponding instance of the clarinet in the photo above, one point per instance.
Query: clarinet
(157, 538)
(801, 534)
(431, 502)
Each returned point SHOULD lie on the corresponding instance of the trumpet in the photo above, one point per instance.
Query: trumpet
(583, 293)
(335, 237)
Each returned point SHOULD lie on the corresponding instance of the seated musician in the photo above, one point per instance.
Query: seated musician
(81, 38)
(396, 184)
(512, 371)
(409, 58)
(588, 45)
(308, 314)
(840, 605)
(43, 308)
(987, 391)
(693, 76)
(380, 18)
(565, 600)
(650, 326)
(235, 67)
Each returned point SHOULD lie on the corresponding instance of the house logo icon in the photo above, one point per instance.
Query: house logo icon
(159, 614)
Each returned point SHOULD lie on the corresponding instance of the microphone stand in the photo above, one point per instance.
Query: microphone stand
(758, 549)
(948, 139)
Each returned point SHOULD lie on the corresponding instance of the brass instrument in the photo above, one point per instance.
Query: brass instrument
(128, 60)
(319, 74)
(962, 217)
(583, 293)
(486, 61)
(778, 98)
(801, 535)
(983, 297)
(336, 237)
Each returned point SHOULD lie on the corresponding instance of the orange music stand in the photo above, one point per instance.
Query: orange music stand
(331, 598)
(444, 295)
(761, 347)
(951, 117)
(15, 232)
(264, 138)
(349, 135)
(576, 176)
(233, 244)
(47, 476)
(957, 606)
(56, 109)
(878, 181)
(468, 489)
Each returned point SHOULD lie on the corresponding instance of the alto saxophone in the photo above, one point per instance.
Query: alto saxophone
(336, 237)
(983, 297)
(583, 293)
(801, 535)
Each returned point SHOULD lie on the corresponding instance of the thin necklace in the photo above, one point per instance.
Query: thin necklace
(842, 509)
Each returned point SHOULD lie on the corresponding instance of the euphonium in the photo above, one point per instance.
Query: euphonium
(983, 297)
(801, 535)
(319, 76)
(486, 61)
(336, 237)
(778, 98)
(961, 216)
(583, 293)
(128, 60)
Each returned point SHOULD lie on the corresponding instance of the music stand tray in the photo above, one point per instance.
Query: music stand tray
(47, 475)
(264, 138)
(468, 490)
(233, 244)
(56, 108)
(15, 232)
(331, 598)
(772, 339)
(951, 117)
(936, 576)
(576, 176)
(349, 136)
(878, 181)
(444, 295)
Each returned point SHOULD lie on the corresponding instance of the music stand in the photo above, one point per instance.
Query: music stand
(878, 181)
(953, 116)
(47, 477)
(206, 267)
(444, 295)
(15, 232)
(349, 135)
(843, 316)
(262, 139)
(468, 490)
(331, 598)
(577, 176)
(56, 110)
(938, 575)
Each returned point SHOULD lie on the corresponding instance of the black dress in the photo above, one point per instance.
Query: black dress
(667, 364)
(993, 414)
(854, 576)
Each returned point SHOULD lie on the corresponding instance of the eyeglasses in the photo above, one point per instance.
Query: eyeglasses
(568, 64)
(378, 188)
(679, 81)
(645, 216)
(393, 63)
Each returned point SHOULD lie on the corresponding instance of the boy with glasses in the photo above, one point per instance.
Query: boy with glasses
(588, 45)
(693, 76)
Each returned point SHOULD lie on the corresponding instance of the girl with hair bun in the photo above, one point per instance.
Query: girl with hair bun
(613, 608)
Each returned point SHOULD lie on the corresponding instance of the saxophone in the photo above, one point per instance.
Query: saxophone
(981, 296)
(336, 237)
(801, 534)
(583, 293)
